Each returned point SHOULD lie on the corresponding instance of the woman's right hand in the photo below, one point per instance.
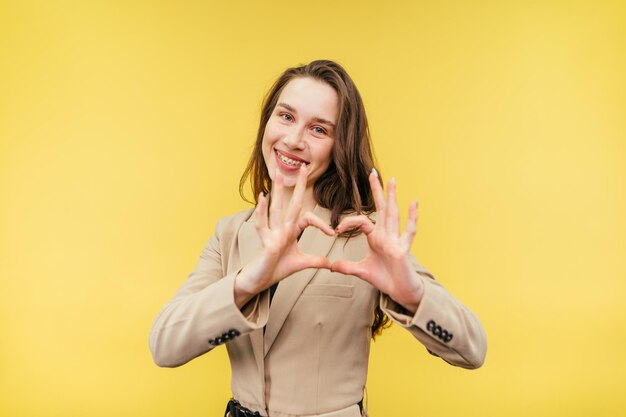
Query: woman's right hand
(280, 256)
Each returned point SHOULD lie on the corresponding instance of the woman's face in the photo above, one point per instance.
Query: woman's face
(301, 130)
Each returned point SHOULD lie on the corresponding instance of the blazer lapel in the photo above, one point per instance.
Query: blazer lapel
(315, 242)
(249, 245)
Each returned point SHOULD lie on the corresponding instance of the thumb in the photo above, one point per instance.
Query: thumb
(350, 268)
(313, 261)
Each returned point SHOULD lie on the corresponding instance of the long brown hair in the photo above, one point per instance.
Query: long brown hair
(344, 187)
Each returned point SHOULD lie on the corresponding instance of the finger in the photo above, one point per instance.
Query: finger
(310, 219)
(276, 203)
(411, 226)
(362, 222)
(393, 217)
(261, 212)
(379, 197)
(351, 268)
(295, 205)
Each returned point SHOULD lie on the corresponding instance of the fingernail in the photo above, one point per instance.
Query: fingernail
(375, 172)
(392, 180)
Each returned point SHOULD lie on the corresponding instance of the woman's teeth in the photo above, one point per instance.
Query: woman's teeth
(289, 161)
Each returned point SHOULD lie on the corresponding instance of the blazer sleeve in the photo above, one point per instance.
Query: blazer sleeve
(203, 313)
(442, 323)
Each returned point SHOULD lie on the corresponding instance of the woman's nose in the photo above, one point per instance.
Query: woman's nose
(294, 139)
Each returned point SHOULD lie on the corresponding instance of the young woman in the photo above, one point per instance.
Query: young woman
(297, 286)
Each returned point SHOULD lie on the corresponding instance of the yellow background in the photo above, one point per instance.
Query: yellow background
(124, 127)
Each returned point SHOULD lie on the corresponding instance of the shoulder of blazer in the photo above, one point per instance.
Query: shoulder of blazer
(227, 227)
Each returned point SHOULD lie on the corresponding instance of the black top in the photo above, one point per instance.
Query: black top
(272, 291)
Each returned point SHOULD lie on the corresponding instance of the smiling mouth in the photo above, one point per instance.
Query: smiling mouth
(289, 161)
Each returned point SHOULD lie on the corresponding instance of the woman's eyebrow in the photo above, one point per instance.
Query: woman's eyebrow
(317, 119)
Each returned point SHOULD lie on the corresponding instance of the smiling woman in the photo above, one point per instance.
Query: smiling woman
(297, 286)
(300, 131)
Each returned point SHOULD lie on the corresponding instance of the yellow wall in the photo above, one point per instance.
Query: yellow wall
(124, 127)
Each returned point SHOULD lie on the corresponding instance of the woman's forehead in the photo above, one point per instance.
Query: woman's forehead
(310, 98)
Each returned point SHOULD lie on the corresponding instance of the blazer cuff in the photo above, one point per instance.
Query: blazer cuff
(433, 299)
(256, 310)
(194, 325)
(253, 315)
(445, 326)
(400, 315)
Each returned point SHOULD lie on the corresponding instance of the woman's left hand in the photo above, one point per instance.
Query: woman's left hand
(386, 265)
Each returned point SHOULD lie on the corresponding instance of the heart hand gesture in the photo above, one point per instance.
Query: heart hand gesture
(386, 265)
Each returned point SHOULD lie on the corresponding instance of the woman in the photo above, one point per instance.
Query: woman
(297, 287)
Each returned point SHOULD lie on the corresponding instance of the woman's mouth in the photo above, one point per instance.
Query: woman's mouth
(290, 162)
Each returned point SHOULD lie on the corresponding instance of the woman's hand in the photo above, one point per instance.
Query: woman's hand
(280, 256)
(386, 265)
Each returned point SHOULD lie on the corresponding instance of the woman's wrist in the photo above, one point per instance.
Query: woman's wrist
(243, 291)
(411, 298)
(248, 282)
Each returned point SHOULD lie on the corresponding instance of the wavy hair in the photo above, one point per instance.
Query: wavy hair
(344, 187)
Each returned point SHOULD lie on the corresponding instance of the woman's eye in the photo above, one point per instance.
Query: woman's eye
(286, 116)
(319, 130)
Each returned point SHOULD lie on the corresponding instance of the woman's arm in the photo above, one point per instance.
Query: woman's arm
(442, 323)
(409, 294)
(203, 314)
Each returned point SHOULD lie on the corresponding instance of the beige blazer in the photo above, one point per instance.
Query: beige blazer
(311, 358)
